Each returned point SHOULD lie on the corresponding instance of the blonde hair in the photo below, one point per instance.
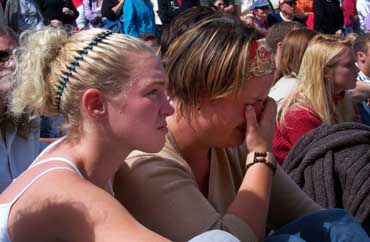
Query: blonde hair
(315, 91)
(43, 58)
(209, 60)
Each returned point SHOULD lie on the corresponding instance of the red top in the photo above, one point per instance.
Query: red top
(297, 122)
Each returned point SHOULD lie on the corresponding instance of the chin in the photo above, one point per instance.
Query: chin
(233, 142)
(154, 147)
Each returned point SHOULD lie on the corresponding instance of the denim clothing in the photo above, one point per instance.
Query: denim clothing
(139, 18)
(330, 225)
(115, 26)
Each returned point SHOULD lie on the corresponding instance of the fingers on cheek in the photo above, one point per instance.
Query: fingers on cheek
(258, 109)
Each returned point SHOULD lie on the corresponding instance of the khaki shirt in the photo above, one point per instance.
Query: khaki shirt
(160, 191)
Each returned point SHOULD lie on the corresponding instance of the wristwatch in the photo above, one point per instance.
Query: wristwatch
(261, 157)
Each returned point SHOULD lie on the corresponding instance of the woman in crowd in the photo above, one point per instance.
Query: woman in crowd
(139, 18)
(294, 46)
(219, 78)
(19, 143)
(92, 11)
(328, 69)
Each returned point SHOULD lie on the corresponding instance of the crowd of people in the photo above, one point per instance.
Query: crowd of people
(231, 122)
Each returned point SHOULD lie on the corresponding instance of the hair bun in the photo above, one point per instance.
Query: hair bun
(33, 57)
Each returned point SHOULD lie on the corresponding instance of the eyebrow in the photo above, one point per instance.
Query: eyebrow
(157, 82)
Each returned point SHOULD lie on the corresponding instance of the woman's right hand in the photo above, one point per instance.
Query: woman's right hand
(260, 131)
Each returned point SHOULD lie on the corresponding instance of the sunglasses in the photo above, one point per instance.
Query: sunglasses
(4, 56)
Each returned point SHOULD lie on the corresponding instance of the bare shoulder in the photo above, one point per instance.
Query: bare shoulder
(71, 208)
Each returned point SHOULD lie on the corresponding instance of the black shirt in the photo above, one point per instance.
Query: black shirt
(328, 16)
(52, 9)
(106, 10)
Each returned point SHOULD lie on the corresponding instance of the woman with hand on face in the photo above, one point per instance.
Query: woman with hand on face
(111, 90)
(204, 178)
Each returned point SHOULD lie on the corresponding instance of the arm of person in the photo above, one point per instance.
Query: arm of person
(361, 92)
(288, 201)
(75, 210)
(298, 122)
(110, 9)
(72, 13)
(161, 192)
(130, 19)
(253, 198)
(117, 9)
(89, 15)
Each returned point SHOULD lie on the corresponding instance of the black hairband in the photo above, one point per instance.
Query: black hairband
(76, 62)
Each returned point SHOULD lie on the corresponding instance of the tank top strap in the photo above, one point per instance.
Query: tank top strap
(39, 176)
(47, 148)
(68, 162)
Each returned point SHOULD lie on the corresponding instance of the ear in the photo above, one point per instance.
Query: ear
(279, 45)
(94, 104)
(361, 56)
(328, 73)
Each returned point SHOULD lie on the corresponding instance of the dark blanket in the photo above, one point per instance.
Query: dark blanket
(332, 165)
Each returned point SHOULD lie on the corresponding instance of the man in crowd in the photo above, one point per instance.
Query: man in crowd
(287, 13)
(19, 137)
(361, 93)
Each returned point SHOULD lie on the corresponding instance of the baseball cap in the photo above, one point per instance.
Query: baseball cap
(260, 4)
(287, 1)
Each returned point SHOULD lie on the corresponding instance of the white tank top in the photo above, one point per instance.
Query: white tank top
(5, 207)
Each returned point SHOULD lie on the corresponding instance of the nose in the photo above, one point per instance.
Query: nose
(167, 108)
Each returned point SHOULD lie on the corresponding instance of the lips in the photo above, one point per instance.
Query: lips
(163, 128)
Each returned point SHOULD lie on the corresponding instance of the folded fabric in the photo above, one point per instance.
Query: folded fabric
(332, 165)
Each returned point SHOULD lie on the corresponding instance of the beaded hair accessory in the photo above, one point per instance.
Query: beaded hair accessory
(261, 61)
(76, 62)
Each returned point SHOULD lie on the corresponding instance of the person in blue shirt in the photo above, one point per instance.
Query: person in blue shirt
(139, 18)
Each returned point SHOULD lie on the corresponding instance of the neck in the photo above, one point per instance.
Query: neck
(287, 16)
(188, 140)
(364, 69)
(194, 151)
(95, 158)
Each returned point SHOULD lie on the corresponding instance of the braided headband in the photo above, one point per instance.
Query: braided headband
(76, 62)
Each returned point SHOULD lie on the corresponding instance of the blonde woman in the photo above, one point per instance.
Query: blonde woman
(203, 178)
(327, 71)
